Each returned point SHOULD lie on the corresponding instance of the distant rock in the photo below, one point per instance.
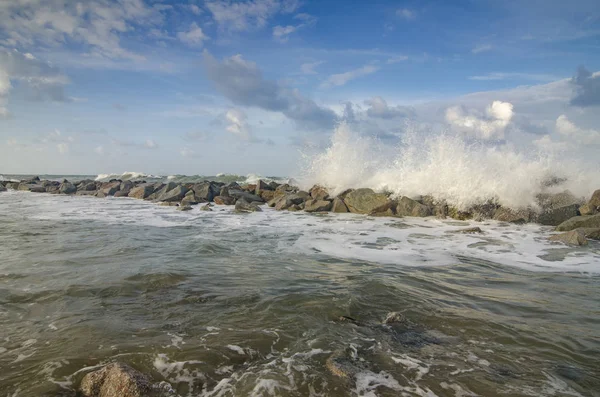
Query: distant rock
(592, 207)
(206, 191)
(339, 206)
(67, 188)
(315, 205)
(244, 206)
(584, 221)
(573, 237)
(262, 186)
(120, 380)
(173, 195)
(249, 197)
(366, 201)
(504, 214)
(224, 200)
(408, 207)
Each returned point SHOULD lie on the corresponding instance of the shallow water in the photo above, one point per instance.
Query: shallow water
(224, 304)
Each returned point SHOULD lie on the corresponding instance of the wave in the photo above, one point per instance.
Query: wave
(126, 176)
(448, 167)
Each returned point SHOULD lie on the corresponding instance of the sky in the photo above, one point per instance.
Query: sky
(204, 87)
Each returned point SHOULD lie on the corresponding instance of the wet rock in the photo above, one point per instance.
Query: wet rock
(556, 216)
(593, 206)
(244, 206)
(67, 188)
(2, 188)
(338, 206)
(224, 200)
(319, 193)
(168, 204)
(262, 186)
(504, 214)
(173, 195)
(295, 207)
(573, 237)
(347, 319)
(469, 230)
(142, 191)
(285, 189)
(86, 186)
(120, 380)
(592, 233)
(206, 191)
(32, 188)
(457, 214)
(240, 194)
(110, 188)
(206, 207)
(267, 195)
(366, 201)
(161, 189)
(393, 318)
(86, 193)
(315, 205)
(184, 207)
(344, 363)
(126, 186)
(408, 207)
(585, 221)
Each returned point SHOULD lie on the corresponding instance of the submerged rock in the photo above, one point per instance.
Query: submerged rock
(592, 233)
(184, 207)
(120, 380)
(585, 221)
(206, 207)
(393, 317)
(573, 237)
(468, 230)
(366, 201)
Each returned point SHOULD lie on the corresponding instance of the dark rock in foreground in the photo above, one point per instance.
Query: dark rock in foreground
(366, 201)
(584, 221)
(574, 237)
(120, 380)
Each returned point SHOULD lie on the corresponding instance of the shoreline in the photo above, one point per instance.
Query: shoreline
(579, 219)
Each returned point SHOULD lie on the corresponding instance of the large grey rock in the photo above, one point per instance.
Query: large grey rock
(584, 221)
(318, 192)
(206, 191)
(313, 205)
(366, 201)
(176, 194)
(573, 237)
(249, 197)
(162, 190)
(338, 206)
(593, 206)
(504, 214)
(120, 380)
(38, 188)
(67, 188)
(244, 206)
(556, 216)
(110, 188)
(88, 186)
(224, 200)
(408, 207)
(142, 191)
(262, 186)
(591, 233)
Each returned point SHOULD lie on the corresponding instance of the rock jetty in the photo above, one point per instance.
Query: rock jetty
(563, 210)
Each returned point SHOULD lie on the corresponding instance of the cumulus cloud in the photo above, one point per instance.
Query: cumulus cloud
(587, 86)
(97, 25)
(572, 132)
(242, 82)
(237, 124)
(406, 13)
(336, 80)
(378, 108)
(490, 126)
(194, 36)
(240, 16)
(481, 48)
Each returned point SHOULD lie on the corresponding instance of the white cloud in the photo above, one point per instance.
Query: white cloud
(481, 48)
(150, 144)
(379, 108)
(309, 68)
(397, 59)
(406, 13)
(573, 133)
(99, 150)
(489, 127)
(242, 16)
(63, 148)
(281, 33)
(513, 76)
(187, 152)
(195, 9)
(340, 79)
(237, 124)
(195, 36)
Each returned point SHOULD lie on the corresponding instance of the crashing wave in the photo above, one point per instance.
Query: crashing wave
(126, 176)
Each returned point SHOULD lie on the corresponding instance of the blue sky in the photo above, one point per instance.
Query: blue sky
(200, 87)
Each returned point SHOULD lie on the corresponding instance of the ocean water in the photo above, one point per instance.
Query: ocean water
(225, 304)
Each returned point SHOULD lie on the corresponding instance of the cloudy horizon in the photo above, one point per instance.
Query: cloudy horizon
(205, 87)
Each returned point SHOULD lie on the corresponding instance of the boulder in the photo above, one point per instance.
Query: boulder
(408, 207)
(285, 189)
(573, 237)
(338, 206)
(556, 216)
(110, 188)
(122, 193)
(176, 194)
(244, 206)
(298, 198)
(2, 188)
(33, 181)
(184, 207)
(262, 186)
(593, 206)
(164, 189)
(67, 188)
(88, 187)
(249, 197)
(206, 191)
(366, 201)
(267, 195)
(120, 380)
(274, 185)
(206, 207)
(32, 188)
(319, 193)
(505, 214)
(142, 191)
(584, 221)
(315, 205)
(592, 233)
(126, 185)
(224, 200)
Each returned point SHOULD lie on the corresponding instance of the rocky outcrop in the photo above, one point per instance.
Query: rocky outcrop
(2, 188)
(314, 205)
(240, 194)
(592, 207)
(584, 221)
(504, 214)
(591, 233)
(224, 200)
(339, 206)
(120, 380)
(206, 191)
(244, 206)
(176, 194)
(366, 201)
(408, 207)
(574, 237)
(319, 193)
(141, 192)
(556, 216)
(67, 188)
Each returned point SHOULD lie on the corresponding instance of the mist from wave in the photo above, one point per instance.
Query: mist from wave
(448, 167)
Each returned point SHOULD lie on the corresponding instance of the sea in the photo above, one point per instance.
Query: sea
(279, 303)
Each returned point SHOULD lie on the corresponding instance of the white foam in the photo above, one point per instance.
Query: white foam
(237, 349)
(125, 176)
